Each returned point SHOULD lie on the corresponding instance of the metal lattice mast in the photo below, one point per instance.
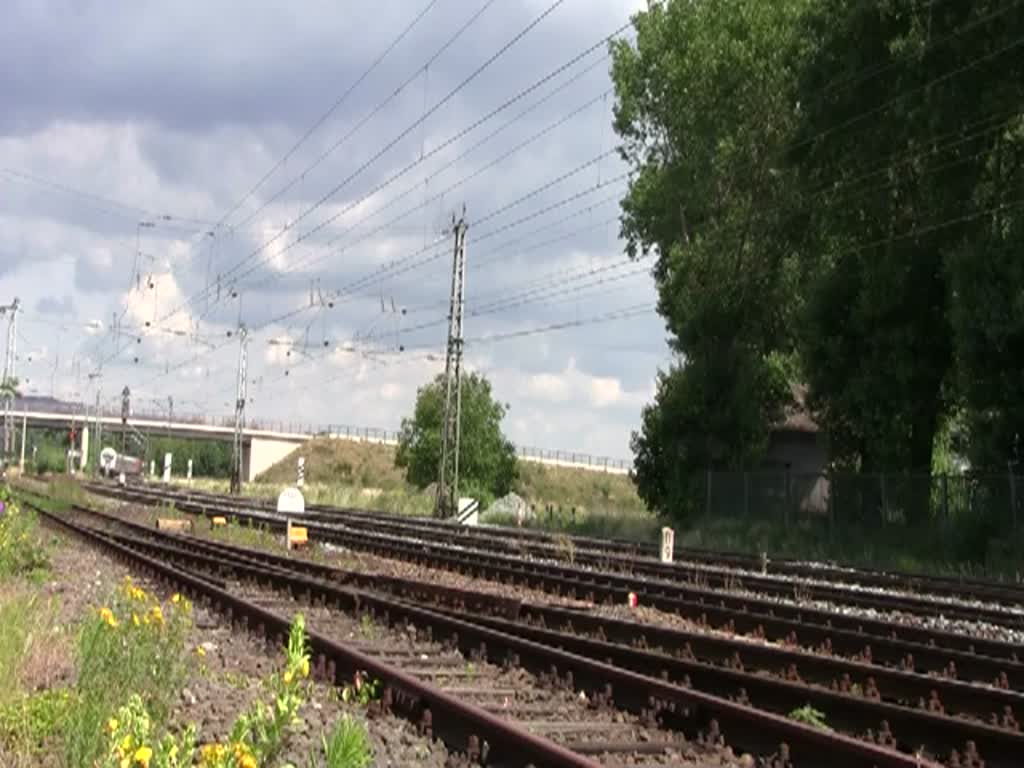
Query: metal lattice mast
(11, 310)
(236, 448)
(448, 477)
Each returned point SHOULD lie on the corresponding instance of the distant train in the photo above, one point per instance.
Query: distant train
(113, 464)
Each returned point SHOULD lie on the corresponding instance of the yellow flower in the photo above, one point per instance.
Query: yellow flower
(125, 762)
(112, 724)
(126, 743)
(200, 651)
(143, 756)
(305, 667)
(176, 599)
(108, 616)
(288, 676)
(247, 761)
(135, 619)
(158, 614)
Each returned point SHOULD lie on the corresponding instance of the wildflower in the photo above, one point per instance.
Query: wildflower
(135, 618)
(112, 724)
(108, 616)
(142, 756)
(126, 744)
(157, 614)
(200, 651)
(305, 667)
(176, 599)
(288, 676)
(125, 762)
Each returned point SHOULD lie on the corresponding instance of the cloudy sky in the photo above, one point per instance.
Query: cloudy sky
(169, 170)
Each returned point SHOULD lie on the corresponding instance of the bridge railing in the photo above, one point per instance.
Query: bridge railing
(366, 434)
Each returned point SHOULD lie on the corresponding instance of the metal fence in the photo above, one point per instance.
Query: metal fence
(868, 500)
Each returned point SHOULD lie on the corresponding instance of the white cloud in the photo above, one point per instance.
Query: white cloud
(164, 122)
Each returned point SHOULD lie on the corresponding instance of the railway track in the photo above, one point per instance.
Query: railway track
(661, 706)
(954, 600)
(775, 680)
(887, 643)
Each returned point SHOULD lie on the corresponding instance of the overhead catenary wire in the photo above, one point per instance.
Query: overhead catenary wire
(394, 43)
(480, 69)
(439, 148)
(395, 93)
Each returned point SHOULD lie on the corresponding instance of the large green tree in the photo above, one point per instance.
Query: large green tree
(487, 460)
(904, 158)
(704, 108)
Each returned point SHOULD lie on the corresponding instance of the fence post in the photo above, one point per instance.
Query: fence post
(945, 499)
(885, 501)
(1013, 497)
(707, 501)
(785, 502)
(831, 504)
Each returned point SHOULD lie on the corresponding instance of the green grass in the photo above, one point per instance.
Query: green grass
(246, 535)
(17, 618)
(349, 473)
(347, 746)
(635, 526)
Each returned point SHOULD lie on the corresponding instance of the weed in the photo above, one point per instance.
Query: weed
(363, 690)
(347, 746)
(247, 535)
(260, 730)
(471, 670)
(132, 646)
(366, 627)
(565, 547)
(21, 551)
(808, 715)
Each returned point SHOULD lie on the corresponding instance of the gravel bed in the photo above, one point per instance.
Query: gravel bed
(223, 682)
(368, 563)
(430, 661)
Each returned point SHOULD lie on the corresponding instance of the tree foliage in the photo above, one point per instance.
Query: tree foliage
(703, 110)
(487, 460)
(832, 190)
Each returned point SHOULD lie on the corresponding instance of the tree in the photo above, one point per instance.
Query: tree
(9, 389)
(704, 109)
(905, 161)
(487, 460)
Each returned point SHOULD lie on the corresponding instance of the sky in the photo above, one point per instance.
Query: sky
(172, 172)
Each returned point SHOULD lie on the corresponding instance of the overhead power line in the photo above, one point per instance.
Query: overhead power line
(230, 274)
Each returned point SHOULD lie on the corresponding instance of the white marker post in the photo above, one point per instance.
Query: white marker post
(189, 472)
(301, 481)
(167, 467)
(668, 545)
(152, 467)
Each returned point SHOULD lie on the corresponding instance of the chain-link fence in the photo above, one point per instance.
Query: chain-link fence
(945, 506)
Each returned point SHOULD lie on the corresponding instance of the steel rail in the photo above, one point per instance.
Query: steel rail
(879, 641)
(459, 724)
(683, 708)
(980, 702)
(949, 586)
